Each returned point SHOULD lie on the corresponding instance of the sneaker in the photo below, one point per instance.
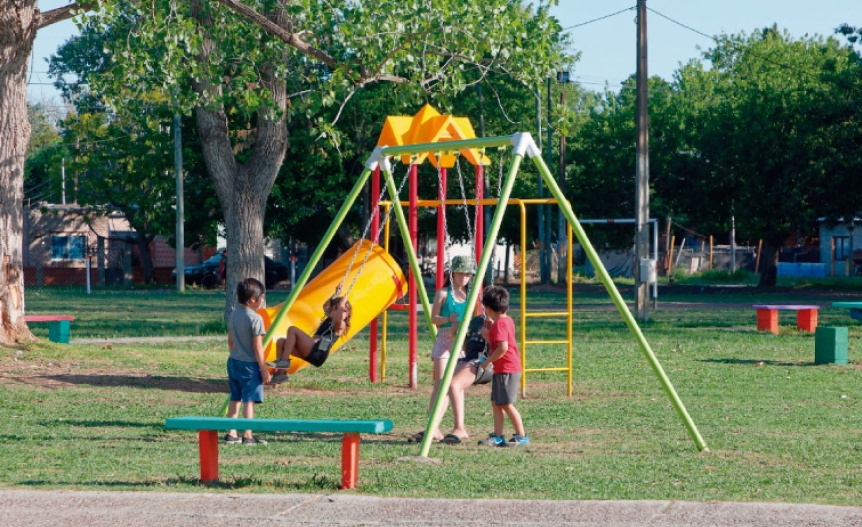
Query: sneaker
(232, 440)
(518, 441)
(251, 441)
(493, 440)
(280, 364)
(278, 378)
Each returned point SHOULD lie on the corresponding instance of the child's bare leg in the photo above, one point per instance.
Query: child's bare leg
(439, 369)
(460, 381)
(297, 343)
(499, 418)
(232, 411)
(515, 418)
(248, 413)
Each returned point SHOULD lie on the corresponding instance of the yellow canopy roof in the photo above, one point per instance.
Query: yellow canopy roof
(429, 126)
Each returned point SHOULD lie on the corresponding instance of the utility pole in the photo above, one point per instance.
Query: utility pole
(180, 233)
(544, 230)
(642, 169)
(562, 242)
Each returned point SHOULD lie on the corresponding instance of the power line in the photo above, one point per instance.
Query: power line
(600, 18)
(751, 52)
(680, 24)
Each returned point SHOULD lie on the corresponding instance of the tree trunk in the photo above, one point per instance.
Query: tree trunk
(143, 243)
(769, 275)
(18, 25)
(242, 188)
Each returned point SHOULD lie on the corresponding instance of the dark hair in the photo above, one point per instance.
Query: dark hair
(496, 297)
(248, 289)
(334, 301)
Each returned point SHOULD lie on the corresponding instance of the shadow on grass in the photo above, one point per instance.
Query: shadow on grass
(758, 362)
(316, 483)
(181, 384)
(100, 424)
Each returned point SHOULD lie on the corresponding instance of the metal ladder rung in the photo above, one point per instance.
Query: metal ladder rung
(547, 314)
(531, 370)
(546, 342)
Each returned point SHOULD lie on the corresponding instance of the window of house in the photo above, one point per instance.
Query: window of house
(68, 246)
(842, 247)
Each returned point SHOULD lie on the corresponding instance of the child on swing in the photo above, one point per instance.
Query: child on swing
(447, 312)
(313, 348)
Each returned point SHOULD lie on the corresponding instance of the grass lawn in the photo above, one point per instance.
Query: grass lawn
(91, 416)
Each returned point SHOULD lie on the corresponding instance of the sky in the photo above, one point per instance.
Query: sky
(604, 31)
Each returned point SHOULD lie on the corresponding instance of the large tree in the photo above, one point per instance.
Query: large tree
(260, 67)
(19, 22)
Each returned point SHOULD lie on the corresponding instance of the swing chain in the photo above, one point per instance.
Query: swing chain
(464, 205)
(377, 236)
(446, 242)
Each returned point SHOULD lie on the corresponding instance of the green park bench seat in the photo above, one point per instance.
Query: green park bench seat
(208, 428)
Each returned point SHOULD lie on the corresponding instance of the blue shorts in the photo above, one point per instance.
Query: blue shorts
(246, 384)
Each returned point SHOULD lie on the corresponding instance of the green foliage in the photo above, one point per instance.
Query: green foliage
(124, 158)
(45, 153)
(770, 134)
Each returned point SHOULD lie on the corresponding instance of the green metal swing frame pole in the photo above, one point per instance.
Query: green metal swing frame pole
(312, 263)
(438, 410)
(620, 304)
(408, 246)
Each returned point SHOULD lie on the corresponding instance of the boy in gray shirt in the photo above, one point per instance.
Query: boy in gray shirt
(246, 366)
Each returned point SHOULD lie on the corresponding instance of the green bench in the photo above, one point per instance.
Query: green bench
(59, 326)
(208, 428)
(855, 309)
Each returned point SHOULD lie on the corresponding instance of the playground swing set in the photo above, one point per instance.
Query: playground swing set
(378, 281)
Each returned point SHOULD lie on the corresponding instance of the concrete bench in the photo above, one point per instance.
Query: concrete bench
(767, 316)
(59, 327)
(855, 309)
(208, 428)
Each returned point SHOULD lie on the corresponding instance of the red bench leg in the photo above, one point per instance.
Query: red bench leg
(349, 460)
(806, 320)
(767, 320)
(208, 442)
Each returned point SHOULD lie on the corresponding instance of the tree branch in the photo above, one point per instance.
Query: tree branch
(293, 40)
(66, 12)
(272, 28)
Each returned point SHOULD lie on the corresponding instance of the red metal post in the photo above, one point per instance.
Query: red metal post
(375, 226)
(480, 224)
(441, 229)
(208, 446)
(349, 460)
(412, 225)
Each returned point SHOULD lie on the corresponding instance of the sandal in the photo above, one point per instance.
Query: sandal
(451, 439)
(417, 437)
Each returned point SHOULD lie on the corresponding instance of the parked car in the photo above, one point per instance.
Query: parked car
(205, 274)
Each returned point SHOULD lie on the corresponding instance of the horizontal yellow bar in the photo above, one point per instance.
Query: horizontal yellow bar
(533, 370)
(546, 342)
(546, 314)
